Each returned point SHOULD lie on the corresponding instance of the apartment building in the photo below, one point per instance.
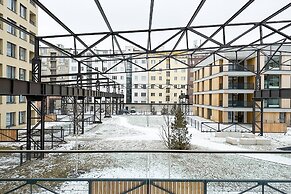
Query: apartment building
(168, 80)
(223, 89)
(52, 65)
(16, 53)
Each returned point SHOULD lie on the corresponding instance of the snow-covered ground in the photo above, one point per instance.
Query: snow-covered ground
(141, 132)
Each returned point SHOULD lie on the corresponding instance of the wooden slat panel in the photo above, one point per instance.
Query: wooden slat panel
(117, 187)
(8, 135)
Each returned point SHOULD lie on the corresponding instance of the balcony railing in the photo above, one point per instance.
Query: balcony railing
(240, 68)
(235, 103)
(245, 86)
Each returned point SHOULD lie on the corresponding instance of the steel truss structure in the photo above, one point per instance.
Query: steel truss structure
(214, 44)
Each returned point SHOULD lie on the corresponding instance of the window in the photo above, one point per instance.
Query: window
(144, 86)
(153, 94)
(32, 18)
(153, 77)
(1, 22)
(10, 119)
(183, 86)
(11, 4)
(31, 38)
(152, 62)
(11, 29)
(167, 90)
(114, 77)
(135, 78)
(160, 86)
(175, 78)
(160, 78)
(135, 94)
(168, 82)
(23, 11)
(272, 81)
(11, 49)
(272, 103)
(168, 73)
(143, 61)
(160, 94)
(10, 72)
(143, 94)
(1, 46)
(22, 117)
(143, 78)
(22, 74)
(152, 86)
(175, 94)
(136, 86)
(10, 99)
(121, 77)
(183, 78)
(282, 117)
(22, 54)
(21, 99)
(167, 98)
(152, 102)
(22, 34)
(274, 63)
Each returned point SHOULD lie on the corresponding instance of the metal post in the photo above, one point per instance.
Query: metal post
(205, 187)
(75, 113)
(42, 125)
(83, 115)
(28, 126)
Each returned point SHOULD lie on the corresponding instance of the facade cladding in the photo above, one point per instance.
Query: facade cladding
(16, 53)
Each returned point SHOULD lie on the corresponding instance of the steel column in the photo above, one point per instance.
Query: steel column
(258, 103)
(97, 110)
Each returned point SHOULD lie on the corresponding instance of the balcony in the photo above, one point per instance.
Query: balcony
(243, 86)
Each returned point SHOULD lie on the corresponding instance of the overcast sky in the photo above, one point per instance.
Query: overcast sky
(83, 16)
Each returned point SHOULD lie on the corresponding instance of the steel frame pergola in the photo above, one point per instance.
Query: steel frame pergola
(216, 44)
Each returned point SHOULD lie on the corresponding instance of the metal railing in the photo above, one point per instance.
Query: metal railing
(245, 86)
(221, 127)
(239, 103)
(145, 185)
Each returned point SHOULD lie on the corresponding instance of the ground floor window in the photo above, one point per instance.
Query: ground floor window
(10, 119)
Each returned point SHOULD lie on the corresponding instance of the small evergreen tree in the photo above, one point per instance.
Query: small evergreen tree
(178, 136)
(173, 110)
(164, 111)
(153, 110)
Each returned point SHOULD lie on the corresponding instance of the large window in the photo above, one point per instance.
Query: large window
(10, 72)
(23, 11)
(11, 50)
(272, 103)
(11, 29)
(22, 117)
(11, 4)
(10, 119)
(22, 54)
(272, 81)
